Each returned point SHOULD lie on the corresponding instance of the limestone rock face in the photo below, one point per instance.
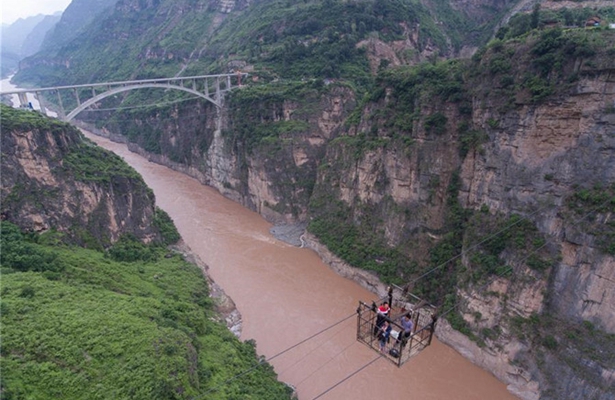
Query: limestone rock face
(533, 161)
(281, 175)
(40, 191)
(543, 329)
(275, 179)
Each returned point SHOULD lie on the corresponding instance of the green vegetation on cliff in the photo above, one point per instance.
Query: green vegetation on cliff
(540, 65)
(416, 103)
(13, 118)
(81, 325)
(320, 38)
(257, 112)
(120, 318)
(90, 163)
(280, 38)
(600, 201)
(570, 18)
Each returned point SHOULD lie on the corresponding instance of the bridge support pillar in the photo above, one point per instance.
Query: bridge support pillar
(40, 102)
(23, 100)
(77, 96)
(218, 97)
(61, 113)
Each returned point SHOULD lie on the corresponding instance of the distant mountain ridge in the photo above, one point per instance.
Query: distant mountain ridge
(34, 40)
(23, 38)
(326, 39)
(14, 34)
(77, 15)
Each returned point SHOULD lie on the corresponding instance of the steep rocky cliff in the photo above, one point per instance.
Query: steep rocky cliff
(551, 161)
(504, 159)
(529, 155)
(262, 150)
(484, 185)
(54, 180)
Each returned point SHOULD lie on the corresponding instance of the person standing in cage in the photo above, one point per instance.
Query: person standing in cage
(384, 309)
(381, 314)
(407, 326)
(384, 334)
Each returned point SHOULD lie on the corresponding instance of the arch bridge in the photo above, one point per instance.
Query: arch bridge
(208, 87)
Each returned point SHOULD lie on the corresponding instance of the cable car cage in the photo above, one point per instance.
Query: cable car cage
(397, 349)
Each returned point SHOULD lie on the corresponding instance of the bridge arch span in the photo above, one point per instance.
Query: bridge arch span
(117, 90)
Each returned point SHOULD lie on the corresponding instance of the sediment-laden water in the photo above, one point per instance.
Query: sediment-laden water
(285, 294)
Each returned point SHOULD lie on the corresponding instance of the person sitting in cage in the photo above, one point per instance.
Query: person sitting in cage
(384, 334)
(381, 314)
(407, 326)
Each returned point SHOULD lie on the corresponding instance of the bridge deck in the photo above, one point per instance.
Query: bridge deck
(120, 83)
(208, 87)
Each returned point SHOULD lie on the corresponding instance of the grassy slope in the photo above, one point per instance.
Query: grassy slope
(83, 326)
(129, 323)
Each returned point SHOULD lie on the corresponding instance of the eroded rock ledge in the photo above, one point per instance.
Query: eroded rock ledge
(224, 305)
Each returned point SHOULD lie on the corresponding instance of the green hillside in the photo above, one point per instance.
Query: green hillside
(119, 319)
(81, 324)
(288, 39)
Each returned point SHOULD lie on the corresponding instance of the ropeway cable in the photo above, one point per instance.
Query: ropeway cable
(262, 361)
(474, 246)
(509, 269)
(311, 337)
(328, 361)
(313, 350)
(348, 377)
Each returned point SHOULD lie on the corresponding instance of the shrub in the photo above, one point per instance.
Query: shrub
(129, 249)
(20, 254)
(550, 342)
(27, 292)
(436, 123)
(167, 228)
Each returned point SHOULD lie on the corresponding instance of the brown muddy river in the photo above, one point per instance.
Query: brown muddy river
(285, 294)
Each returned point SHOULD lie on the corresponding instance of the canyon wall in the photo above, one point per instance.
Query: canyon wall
(494, 176)
(54, 180)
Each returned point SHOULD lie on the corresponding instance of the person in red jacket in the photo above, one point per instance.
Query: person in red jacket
(381, 314)
(384, 309)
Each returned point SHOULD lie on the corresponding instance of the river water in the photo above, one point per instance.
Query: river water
(285, 294)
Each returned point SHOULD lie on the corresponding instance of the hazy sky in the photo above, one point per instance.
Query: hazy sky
(12, 10)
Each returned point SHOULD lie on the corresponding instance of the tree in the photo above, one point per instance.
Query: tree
(535, 19)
